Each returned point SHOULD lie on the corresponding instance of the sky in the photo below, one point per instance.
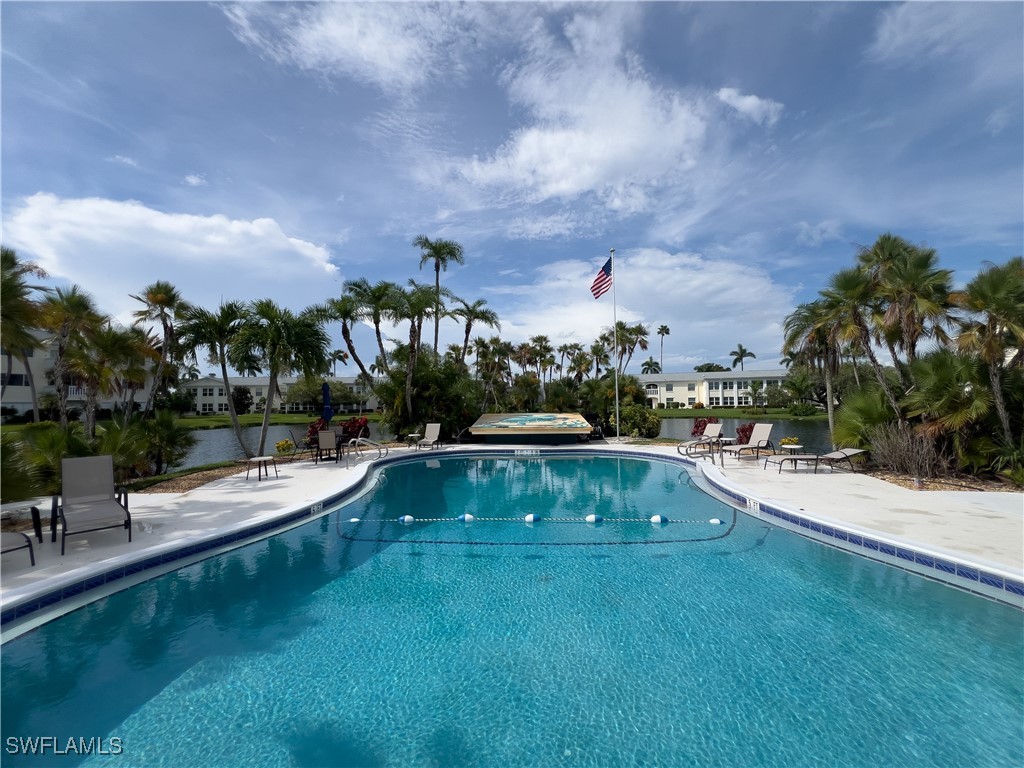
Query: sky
(735, 155)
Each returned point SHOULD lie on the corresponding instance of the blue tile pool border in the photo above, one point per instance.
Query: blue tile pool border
(964, 576)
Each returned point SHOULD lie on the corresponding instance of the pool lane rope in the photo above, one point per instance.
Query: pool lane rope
(529, 519)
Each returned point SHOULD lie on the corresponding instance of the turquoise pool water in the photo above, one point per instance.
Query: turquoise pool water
(496, 644)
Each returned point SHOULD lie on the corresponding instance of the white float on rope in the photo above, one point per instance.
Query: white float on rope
(407, 519)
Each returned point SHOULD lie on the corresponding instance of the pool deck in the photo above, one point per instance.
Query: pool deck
(985, 529)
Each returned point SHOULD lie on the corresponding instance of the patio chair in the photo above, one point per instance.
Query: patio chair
(12, 540)
(89, 501)
(301, 443)
(327, 443)
(431, 436)
(707, 441)
(759, 441)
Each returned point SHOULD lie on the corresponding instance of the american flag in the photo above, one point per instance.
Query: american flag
(603, 281)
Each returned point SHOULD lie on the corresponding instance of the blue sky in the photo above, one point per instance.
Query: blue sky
(734, 154)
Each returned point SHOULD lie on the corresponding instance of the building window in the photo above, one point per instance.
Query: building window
(726, 385)
(207, 392)
(222, 407)
(713, 385)
(669, 400)
(727, 401)
(207, 408)
(690, 401)
(713, 401)
(691, 387)
(668, 387)
(258, 392)
(14, 380)
(220, 391)
(652, 389)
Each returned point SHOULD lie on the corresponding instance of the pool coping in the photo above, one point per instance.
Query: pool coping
(34, 605)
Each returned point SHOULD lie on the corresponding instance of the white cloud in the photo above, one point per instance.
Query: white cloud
(763, 111)
(816, 234)
(392, 46)
(113, 249)
(123, 161)
(997, 121)
(597, 124)
(709, 305)
(195, 180)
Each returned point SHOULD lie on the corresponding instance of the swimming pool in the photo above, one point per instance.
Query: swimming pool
(497, 643)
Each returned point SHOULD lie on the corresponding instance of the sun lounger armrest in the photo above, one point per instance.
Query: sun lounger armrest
(122, 496)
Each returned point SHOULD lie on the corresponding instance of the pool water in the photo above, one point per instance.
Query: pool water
(498, 644)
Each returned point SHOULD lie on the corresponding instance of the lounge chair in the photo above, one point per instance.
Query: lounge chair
(759, 441)
(12, 540)
(327, 443)
(431, 436)
(89, 501)
(831, 459)
(707, 441)
(839, 456)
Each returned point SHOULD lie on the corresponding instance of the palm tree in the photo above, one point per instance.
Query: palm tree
(740, 354)
(809, 335)
(851, 292)
(663, 331)
(442, 253)
(284, 342)
(472, 314)
(599, 356)
(650, 365)
(69, 314)
(756, 390)
(348, 311)
(19, 315)
(163, 304)
(203, 329)
(412, 305)
(995, 301)
(375, 301)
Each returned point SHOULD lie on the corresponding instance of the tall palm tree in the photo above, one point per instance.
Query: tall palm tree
(472, 314)
(162, 304)
(543, 357)
(995, 301)
(600, 356)
(69, 314)
(19, 316)
(100, 364)
(663, 331)
(412, 305)
(740, 354)
(375, 300)
(650, 365)
(442, 253)
(284, 342)
(215, 332)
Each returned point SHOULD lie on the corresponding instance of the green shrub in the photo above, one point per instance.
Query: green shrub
(639, 421)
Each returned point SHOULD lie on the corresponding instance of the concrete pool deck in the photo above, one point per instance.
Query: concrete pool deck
(985, 529)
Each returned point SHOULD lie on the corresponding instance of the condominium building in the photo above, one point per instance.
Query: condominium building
(211, 397)
(717, 389)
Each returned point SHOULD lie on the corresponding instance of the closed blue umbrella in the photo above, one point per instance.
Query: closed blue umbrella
(328, 413)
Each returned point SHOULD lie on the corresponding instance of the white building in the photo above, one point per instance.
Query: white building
(210, 396)
(719, 389)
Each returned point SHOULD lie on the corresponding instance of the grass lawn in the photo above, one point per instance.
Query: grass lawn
(217, 421)
(736, 413)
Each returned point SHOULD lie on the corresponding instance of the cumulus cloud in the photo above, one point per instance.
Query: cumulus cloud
(114, 248)
(596, 122)
(763, 111)
(195, 180)
(123, 161)
(997, 121)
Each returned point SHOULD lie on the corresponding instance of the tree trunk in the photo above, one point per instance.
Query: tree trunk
(829, 406)
(880, 374)
(437, 301)
(997, 395)
(60, 384)
(271, 393)
(231, 407)
(380, 346)
(346, 334)
(32, 389)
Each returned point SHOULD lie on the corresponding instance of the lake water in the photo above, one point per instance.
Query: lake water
(221, 445)
(215, 445)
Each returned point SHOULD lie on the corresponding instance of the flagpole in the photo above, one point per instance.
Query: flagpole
(615, 338)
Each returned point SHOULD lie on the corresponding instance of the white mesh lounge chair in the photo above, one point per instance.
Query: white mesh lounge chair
(301, 443)
(705, 442)
(431, 436)
(327, 444)
(88, 501)
(12, 540)
(759, 441)
(839, 456)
